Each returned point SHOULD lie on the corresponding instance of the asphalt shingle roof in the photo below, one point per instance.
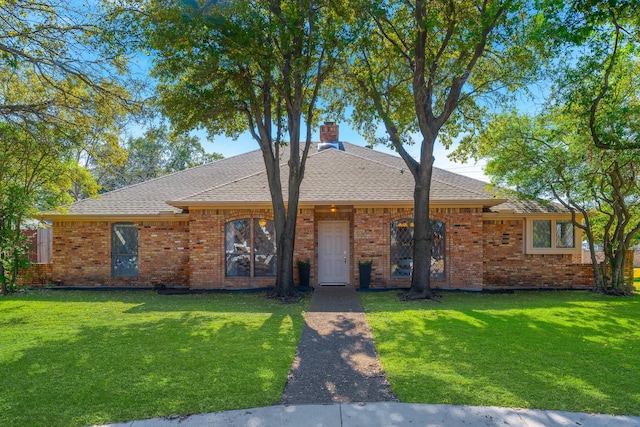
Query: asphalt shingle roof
(529, 207)
(358, 174)
(333, 176)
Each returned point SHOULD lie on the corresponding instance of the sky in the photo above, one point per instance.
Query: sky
(228, 148)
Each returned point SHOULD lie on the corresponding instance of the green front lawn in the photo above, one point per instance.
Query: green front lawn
(574, 351)
(82, 358)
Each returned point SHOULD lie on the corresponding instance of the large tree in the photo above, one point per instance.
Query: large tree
(419, 67)
(583, 149)
(49, 48)
(248, 65)
(62, 92)
(551, 157)
(34, 175)
(155, 153)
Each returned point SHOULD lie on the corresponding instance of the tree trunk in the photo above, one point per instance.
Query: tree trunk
(286, 217)
(618, 284)
(3, 280)
(285, 285)
(422, 232)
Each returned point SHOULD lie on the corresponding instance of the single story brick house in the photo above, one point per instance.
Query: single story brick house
(210, 227)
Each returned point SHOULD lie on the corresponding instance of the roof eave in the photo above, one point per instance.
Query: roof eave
(202, 204)
(515, 214)
(161, 216)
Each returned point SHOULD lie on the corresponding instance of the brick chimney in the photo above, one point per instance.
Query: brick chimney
(329, 132)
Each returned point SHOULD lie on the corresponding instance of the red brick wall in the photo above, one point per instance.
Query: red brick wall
(207, 242)
(32, 235)
(82, 254)
(371, 234)
(478, 253)
(506, 264)
(36, 275)
(465, 251)
(305, 245)
(463, 228)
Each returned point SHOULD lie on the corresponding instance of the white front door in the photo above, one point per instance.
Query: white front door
(333, 252)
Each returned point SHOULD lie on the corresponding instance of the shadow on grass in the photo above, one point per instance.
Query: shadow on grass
(561, 350)
(151, 356)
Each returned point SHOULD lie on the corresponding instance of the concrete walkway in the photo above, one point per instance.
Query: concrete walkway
(336, 360)
(337, 363)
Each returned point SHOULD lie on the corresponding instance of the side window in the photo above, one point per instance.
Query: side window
(401, 251)
(552, 236)
(564, 234)
(542, 233)
(124, 250)
(250, 240)
(402, 248)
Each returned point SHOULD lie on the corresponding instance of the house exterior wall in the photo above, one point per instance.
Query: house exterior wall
(82, 254)
(464, 249)
(506, 264)
(207, 249)
(304, 247)
(480, 253)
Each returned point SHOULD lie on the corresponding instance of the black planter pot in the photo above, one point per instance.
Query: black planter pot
(304, 272)
(365, 276)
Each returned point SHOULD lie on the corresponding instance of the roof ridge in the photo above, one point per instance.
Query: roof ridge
(398, 157)
(364, 158)
(126, 187)
(233, 181)
(469, 190)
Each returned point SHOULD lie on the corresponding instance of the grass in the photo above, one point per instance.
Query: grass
(573, 351)
(82, 358)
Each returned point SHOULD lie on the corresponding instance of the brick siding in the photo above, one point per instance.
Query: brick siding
(506, 264)
(463, 228)
(82, 254)
(207, 240)
(479, 253)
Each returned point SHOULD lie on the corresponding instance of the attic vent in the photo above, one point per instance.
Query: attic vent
(326, 145)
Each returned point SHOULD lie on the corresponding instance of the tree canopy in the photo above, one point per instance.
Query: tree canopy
(420, 67)
(157, 152)
(62, 92)
(54, 63)
(582, 149)
(248, 65)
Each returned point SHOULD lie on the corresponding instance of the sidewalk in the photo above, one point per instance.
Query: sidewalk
(387, 414)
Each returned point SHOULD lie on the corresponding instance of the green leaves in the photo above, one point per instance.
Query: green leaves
(158, 152)
(34, 175)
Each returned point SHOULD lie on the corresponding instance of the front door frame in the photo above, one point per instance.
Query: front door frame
(323, 277)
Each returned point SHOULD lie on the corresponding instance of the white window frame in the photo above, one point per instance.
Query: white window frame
(553, 250)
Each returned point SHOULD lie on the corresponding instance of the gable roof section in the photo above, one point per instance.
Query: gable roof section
(149, 197)
(337, 177)
(356, 175)
(529, 207)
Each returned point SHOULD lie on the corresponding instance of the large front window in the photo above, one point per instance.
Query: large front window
(250, 245)
(402, 248)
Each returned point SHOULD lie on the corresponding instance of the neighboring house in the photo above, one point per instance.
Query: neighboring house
(211, 227)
